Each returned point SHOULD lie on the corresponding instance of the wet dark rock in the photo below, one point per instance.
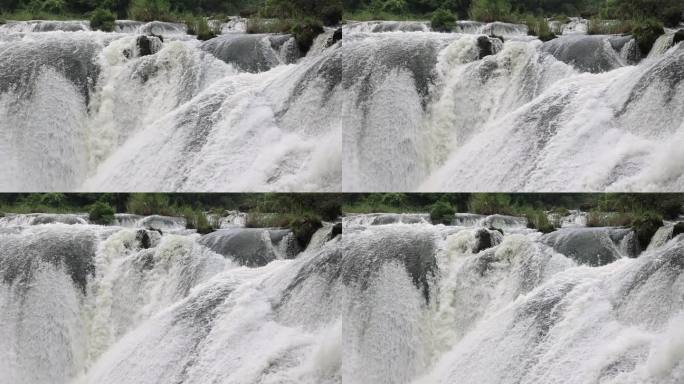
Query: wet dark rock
(645, 227)
(587, 53)
(22, 62)
(593, 246)
(144, 45)
(364, 257)
(249, 53)
(75, 252)
(336, 36)
(485, 46)
(678, 36)
(483, 240)
(144, 238)
(678, 229)
(252, 247)
(336, 230)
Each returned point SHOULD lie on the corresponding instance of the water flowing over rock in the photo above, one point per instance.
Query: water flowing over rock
(252, 247)
(577, 113)
(514, 311)
(93, 290)
(594, 246)
(150, 108)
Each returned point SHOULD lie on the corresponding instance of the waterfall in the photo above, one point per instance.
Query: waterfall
(519, 311)
(439, 112)
(94, 111)
(79, 302)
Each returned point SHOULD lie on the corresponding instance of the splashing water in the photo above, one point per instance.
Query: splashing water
(94, 111)
(449, 111)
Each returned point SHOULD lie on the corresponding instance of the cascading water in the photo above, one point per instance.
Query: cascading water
(457, 111)
(83, 303)
(514, 311)
(83, 110)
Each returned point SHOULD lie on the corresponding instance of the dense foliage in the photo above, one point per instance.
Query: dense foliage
(101, 213)
(443, 20)
(303, 213)
(669, 12)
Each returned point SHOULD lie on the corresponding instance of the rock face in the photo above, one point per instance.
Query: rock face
(147, 45)
(678, 229)
(678, 36)
(336, 230)
(593, 246)
(592, 53)
(337, 36)
(252, 247)
(485, 46)
(483, 240)
(253, 53)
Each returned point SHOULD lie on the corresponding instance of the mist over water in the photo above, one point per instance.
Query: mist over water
(467, 112)
(83, 110)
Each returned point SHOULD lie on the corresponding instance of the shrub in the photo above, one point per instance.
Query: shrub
(491, 203)
(442, 212)
(563, 19)
(103, 20)
(609, 219)
(259, 25)
(55, 7)
(537, 219)
(101, 213)
(303, 227)
(646, 33)
(538, 26)
(200, 27)
(305, 32)
(332, 14)
(150, 10)
(672, 16)
(443, 20)
(196, 219)
(645, 226)
(149, 204)
(490, 10)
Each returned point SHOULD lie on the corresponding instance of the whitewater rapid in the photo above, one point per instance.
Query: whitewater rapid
(153, 302)
(465, 111)
(437, 304)
(94, 111)
(395, 299)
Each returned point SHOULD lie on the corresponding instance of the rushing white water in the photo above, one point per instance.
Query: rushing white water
(83, 110)
(518, 312)
(444, 112)
(95, 304)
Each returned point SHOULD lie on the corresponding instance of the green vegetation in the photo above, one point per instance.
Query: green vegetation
(645, 226)
(199, 26)
(608, 16)
(151, 10)
(491, 203)
(646, 33)
(491, 10)
(442, 212)
(303, 213)
(101, 213)
(103, 20)
(538, 26)
(443, 20)
(305, 32)
(638, 211)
